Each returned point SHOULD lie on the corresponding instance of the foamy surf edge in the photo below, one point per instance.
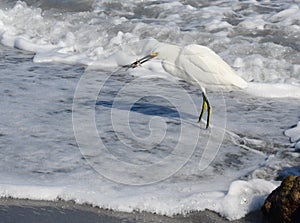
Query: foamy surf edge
(243, 197)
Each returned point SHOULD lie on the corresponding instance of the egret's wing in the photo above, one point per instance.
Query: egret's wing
(207, 68)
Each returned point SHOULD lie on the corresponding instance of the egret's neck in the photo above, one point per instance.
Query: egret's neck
(170, 56)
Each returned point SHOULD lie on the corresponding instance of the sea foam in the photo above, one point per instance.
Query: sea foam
(259, 40)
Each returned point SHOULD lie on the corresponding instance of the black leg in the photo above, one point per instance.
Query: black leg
(209, 112)
(205, 106)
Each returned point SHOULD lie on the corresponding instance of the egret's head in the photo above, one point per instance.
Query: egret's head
(167, 52)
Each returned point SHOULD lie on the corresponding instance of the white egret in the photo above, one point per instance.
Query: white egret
(197, 65)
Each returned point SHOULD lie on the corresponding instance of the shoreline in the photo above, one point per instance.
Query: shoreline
(27, 211)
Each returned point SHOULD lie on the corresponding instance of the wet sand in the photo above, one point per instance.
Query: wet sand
(28, 211)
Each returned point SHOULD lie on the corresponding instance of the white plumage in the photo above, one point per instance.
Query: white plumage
(197, 65)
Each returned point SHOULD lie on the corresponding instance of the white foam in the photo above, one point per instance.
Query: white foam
(275, 90)
(106, 38)
(65, 40)
(23, 44)
(242, 197)
(253, 23)
(217, 25)
(287, 16)
(294, 133)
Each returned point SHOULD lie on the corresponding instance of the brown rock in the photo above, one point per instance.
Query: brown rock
(283, 204)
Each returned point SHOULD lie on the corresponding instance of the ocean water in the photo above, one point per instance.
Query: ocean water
(76, 126)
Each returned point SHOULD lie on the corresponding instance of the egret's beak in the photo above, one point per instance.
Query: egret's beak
(154, 54)
(139, 62)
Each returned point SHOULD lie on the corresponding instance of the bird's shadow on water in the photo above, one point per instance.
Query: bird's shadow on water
(147, 108)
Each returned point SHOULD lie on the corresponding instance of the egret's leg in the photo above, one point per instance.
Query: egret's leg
(203, 109)
(205, 106)
(209, 112)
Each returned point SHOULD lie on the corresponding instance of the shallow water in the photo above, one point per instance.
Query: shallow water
(75, 127)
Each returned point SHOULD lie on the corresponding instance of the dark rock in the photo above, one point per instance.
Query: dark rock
(283, 204)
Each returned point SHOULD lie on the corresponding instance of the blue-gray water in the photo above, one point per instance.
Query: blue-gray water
(140, 114)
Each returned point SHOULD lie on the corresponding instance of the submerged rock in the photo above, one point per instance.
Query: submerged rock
(283, 204)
